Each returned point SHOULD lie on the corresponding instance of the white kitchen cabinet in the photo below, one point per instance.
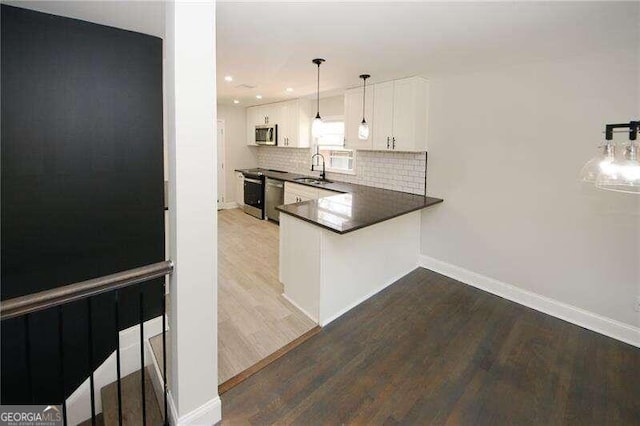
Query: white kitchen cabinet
(266, 114)
(260, 115)
(326, 193)
(353, 118)
(400, 115)
(383, 115)
(296, 193)
(293, 120)
(252, 120)
(239, 179)
(294, 125)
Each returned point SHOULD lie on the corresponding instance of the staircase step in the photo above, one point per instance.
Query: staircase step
(99, 421)
(131, 402)
(156, 347)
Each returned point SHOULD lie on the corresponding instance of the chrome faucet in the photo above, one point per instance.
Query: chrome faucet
(323, 175)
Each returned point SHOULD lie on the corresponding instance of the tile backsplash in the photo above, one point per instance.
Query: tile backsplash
(400, 171)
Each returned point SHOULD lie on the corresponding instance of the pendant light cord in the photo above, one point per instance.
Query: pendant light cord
(364, 78)
(318, 62)
(364, 96)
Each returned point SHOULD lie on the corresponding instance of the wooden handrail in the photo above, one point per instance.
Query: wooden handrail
(81, 290)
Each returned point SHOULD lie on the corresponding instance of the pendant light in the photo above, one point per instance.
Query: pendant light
(599, 164)
(625, 175)
(316, 126)
(610, 172)
(363, 128)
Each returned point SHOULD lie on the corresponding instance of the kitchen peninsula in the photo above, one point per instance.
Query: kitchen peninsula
(339, 250)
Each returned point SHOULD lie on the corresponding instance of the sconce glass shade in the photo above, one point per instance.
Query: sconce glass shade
(625, 175)
(316, 127)
(363, 131)
(602, 163)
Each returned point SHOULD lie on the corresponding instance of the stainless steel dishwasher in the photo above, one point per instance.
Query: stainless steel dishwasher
(275, 197)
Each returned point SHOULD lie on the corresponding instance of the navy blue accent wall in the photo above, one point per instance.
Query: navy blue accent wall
(82, 184)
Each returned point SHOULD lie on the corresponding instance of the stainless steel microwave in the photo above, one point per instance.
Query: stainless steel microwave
(267, 134)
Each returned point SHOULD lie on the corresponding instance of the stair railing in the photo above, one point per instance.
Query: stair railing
(58, 297)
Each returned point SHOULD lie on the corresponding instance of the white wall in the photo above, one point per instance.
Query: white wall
(506, 147)
(238, 155)
(190, 91)
(330, 106)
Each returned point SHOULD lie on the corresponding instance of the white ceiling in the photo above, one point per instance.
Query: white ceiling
(270, 45)
(141, 16)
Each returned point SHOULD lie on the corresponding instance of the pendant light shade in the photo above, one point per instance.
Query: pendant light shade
(316, 126)
(624, 173)
(363, 128)
(601, 163)
(612, 172)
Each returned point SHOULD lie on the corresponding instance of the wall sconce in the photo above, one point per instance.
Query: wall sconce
(620, 173)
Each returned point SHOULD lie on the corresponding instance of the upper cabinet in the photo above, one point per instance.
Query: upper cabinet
(294, 128)
(397, 117)
(252, 121)
(292, 118)
(353, 118)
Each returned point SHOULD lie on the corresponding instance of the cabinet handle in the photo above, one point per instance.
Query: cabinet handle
(387, 142)
(394, 142)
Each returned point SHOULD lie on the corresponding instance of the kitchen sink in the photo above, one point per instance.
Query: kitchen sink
(312, 181)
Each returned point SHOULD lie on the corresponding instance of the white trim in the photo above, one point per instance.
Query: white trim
(362, 299)
(229, 205)
(156, 375)
(589, 320)
(221, 125)
(288, 299)
(209, 413)
(79, 403)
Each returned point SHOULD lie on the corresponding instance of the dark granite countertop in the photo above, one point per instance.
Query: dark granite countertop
(353, 207)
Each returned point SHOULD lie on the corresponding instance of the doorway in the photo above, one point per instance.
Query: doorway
(221, 164)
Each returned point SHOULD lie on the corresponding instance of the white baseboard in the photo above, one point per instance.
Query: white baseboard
(208, 413)
(600, 324)
(155, 372)
(362, 299)
(230, 205)
(288, 299)
(79, 403)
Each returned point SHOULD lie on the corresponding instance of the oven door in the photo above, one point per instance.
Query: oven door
(254, 197)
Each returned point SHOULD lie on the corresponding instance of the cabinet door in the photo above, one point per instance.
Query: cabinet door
(239, 189)
(404, 115)
(302, 129)
(252, 116)
(353, 118)
(290, 123)
(326, 193)
(271, 113)
(383, 115)
(290, 197)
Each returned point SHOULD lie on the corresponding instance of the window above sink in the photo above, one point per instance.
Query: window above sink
(331, 146)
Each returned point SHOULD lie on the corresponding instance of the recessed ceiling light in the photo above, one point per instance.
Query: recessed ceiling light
(289, 89)
(228, 78)
(235, 101)
(258, 96)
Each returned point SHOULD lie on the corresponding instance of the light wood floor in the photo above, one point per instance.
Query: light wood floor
(254, 320)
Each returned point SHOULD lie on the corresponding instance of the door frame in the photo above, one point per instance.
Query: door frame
(221, 125)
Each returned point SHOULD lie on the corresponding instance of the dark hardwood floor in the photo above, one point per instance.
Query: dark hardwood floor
(430, 350)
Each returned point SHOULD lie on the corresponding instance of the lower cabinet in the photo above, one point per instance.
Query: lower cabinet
(296, 193)
(239, 179)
